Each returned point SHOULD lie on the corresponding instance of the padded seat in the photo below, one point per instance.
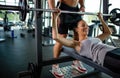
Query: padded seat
(115, 54)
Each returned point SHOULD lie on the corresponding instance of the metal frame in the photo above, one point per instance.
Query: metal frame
(38, 37)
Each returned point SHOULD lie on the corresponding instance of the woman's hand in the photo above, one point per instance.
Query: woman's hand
(56, 12)
(100, 15)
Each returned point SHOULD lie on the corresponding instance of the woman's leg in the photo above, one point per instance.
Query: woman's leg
(77, 64)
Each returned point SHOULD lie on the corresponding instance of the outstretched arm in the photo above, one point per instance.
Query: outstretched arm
(56, 37)
(105, 29)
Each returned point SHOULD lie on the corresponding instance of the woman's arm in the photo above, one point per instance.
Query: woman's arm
(56, 37)
(105, 29)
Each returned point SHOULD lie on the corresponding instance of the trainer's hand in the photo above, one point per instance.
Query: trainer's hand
(82, 9)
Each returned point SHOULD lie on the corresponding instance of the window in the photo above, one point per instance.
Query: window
(91, 6)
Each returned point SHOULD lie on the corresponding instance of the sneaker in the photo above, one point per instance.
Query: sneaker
(57, 72)
(79, 67)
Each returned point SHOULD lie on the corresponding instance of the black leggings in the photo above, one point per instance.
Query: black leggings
(112, 60)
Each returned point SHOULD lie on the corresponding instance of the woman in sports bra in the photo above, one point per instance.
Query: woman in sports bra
(93, 48)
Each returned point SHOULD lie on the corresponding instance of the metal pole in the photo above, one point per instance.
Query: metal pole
(105, 8)
(100, 6)
(38, 37)
(9, 7)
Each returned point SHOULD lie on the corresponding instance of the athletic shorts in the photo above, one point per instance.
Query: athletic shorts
(68, 21)
(112, 60)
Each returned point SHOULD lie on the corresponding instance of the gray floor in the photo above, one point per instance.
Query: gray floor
(16, 53)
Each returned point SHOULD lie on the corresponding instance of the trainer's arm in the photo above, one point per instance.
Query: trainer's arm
(82, 2)
(51, 4)
(82, 5)
(105, 29)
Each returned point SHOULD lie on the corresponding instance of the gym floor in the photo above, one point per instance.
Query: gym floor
(16, 53)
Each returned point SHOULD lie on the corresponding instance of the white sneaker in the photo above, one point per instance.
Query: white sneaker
(57, 72)
(79, 67)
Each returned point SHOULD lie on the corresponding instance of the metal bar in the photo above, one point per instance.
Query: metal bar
(58, 60)
(100, 5)
(70, 12)
(63, 11)
(107, 14)
(38, 39)
(105, 8)
(43, 10)
(9, 7)
(18, 8)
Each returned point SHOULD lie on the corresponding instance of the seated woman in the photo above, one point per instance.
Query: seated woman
(92, 48)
